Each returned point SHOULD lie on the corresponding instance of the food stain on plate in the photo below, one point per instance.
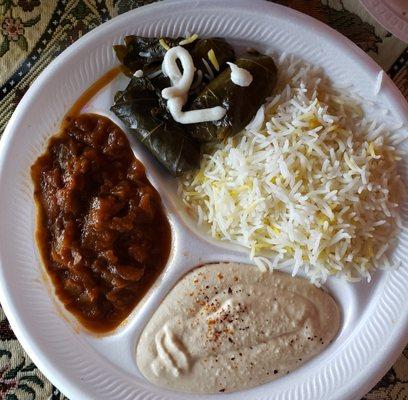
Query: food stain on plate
(226, 327)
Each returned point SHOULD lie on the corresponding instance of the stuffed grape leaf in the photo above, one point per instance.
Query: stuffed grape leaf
(241, 103)
(141, 108)
(143, 53)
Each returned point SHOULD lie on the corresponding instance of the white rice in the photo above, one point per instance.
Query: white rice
(378, 83)
(310, 184)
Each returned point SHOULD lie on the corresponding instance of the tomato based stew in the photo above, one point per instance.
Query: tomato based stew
(101, 228)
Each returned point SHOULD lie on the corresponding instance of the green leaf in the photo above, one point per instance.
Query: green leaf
(33, 379)
(32, 21)
(22, 43)
(29, 367)
(27, 389)
(13, 372)
(11, 396)
(4, 47)
(5, 353)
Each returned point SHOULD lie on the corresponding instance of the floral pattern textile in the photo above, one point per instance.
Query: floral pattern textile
(33, 32)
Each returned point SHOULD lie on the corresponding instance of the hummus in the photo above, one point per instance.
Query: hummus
(227, 327)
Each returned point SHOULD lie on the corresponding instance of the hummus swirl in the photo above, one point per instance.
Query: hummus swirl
(227, 327)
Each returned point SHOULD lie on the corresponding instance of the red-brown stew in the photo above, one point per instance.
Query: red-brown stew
(101, 228)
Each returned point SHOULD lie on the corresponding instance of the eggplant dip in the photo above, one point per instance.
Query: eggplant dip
(227, 327)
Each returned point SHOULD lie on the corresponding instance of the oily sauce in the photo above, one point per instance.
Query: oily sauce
(97, 86)
(101, 230)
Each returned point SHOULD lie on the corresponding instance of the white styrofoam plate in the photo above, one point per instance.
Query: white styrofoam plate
(391, 14)
(375, 317)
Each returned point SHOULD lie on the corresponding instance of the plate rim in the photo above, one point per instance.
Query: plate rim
(398, 102)
(382, 13)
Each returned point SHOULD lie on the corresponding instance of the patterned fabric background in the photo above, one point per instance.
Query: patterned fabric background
(33, 32)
